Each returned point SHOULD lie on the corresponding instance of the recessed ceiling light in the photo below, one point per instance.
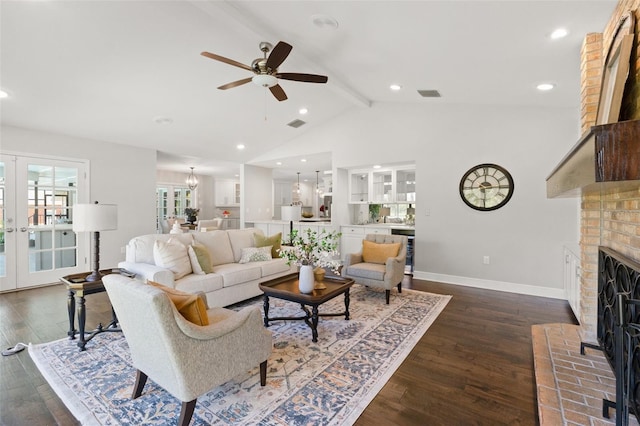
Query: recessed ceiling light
(303, 111)
(240, 146)
(377, 166)
(559, 33)
(304, 160)
(279, 163)
(162, 120)
(545, 87)
(3, 94)
(395, 87)
(236, 175)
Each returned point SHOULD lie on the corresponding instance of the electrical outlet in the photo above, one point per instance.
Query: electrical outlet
(427, 212)
(123, 250)
(486, 260)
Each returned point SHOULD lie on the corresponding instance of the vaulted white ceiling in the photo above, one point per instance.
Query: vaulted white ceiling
(105, 70)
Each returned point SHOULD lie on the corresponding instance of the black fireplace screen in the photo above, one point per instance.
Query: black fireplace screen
(619, 295)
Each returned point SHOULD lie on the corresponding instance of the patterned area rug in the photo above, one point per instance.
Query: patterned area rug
(326, 383)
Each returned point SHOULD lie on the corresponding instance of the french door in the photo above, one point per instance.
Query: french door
(37, 244)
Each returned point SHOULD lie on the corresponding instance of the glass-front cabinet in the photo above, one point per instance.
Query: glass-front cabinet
(359, 186)
(381, 186)
(382, 189)
(405, 185)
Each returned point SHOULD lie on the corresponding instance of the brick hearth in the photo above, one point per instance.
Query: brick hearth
(570, 386)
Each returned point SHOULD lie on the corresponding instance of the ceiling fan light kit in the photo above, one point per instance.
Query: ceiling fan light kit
(266, 69)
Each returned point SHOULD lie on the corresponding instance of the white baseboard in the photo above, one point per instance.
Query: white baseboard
(531, 290)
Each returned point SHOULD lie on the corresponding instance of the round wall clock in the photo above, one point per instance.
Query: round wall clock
(486, 187)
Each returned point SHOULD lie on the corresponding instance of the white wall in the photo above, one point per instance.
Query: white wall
(524, 239)
(257, 193)
(119, 174)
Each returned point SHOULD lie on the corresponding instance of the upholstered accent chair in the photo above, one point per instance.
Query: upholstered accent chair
(209, 224)
(184, 358)
(379, 264)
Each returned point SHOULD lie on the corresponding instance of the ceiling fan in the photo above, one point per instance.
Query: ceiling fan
(266, 69)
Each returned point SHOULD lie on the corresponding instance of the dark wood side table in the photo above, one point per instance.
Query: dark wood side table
(78, 289)
(286, 288)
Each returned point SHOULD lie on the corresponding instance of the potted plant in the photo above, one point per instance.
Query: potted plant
(192, 214)
(311, 249)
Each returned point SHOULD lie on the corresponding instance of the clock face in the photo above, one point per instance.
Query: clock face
(486, 187)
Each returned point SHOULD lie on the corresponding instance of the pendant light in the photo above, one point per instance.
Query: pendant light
(298, 188)
(192, 180)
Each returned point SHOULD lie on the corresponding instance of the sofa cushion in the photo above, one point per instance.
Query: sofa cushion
(140, 249)
(274, 266)
(193, 258)
(372, 271)
(275, 241)
(173, 256)
(255, 254)
(218, 245)
(191, 306)
(204, 258)
(235, 273)
(241, 238)
(193, 283)
(379, 253)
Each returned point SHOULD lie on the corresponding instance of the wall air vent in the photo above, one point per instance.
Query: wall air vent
(296, 123)
(429, 93)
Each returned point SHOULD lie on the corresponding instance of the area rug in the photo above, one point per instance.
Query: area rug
(325, 383)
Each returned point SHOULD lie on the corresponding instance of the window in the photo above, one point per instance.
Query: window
(171, 200)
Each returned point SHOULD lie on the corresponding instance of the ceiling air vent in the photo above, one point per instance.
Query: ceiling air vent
(429, 93)
(296, 123)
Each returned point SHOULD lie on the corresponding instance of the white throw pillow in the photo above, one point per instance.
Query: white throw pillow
(255, 254)
(195, 265)
(173, 256)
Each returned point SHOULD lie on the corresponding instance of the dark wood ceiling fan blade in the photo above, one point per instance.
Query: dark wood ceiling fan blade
(307, 78)
(278, 92)
(278, 55)
(227, 61)
(235, 83)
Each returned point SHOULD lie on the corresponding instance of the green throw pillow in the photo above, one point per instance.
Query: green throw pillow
(204, 259)
(274, 241)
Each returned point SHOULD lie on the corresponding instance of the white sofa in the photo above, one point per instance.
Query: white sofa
(230, 282)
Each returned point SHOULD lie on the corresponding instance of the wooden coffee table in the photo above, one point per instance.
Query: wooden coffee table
(286, 288)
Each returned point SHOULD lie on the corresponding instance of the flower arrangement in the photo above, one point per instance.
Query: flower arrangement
(318, 249)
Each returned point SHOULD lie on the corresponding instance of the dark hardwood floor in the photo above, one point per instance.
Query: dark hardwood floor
(474, 366)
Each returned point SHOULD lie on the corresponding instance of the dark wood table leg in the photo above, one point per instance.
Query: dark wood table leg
(265, 305)
(71, 308)
(346, 304)
(314, 323)
(82, 317)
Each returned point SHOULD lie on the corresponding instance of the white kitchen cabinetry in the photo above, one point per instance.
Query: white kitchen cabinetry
(227, 193)
(391, 185)
(380, 231)
(351, 241)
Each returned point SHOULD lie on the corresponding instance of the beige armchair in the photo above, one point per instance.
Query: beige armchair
(377, 265)
(209, 224)
(184, 358)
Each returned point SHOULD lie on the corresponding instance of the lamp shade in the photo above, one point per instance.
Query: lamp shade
(290, 213)
(385, 211)
(95, 217)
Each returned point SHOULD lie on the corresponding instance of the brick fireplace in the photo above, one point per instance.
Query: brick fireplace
(610, 218)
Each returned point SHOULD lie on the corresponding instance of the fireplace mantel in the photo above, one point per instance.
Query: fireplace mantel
(605, 158)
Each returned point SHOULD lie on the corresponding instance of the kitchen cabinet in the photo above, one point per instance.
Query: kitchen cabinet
(390, 185)
(351, 240)
(227, 193)
(405, 180)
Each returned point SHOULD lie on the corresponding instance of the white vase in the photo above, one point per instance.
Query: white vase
(305, 279)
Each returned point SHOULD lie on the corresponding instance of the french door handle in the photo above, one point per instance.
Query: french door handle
(9, 230)
(23, 229)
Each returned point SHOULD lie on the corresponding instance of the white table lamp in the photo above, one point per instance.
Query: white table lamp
(95, 218)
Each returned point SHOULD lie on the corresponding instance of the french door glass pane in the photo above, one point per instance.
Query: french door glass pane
(51, 194)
